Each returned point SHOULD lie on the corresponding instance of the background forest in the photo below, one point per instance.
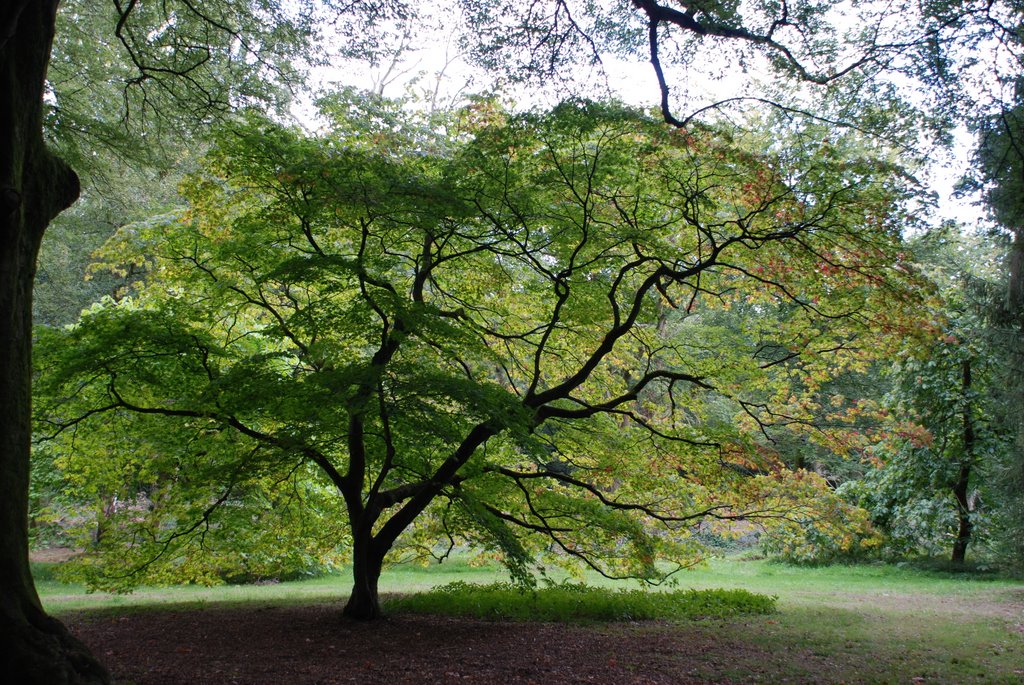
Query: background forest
(321, 305)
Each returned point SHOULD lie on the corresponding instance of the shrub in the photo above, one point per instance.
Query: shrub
(575, 601)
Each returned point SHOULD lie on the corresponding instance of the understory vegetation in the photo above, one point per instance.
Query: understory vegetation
(581, 602)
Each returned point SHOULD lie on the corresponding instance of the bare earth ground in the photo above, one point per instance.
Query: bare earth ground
(314, 645)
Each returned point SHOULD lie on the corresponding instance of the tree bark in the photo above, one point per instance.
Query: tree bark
(964, 524)
(35, 186)
(964, 527)
(367, 561)
(1015, 282)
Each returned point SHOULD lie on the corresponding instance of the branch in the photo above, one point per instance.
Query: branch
(715, 511)
(880, 54)
(588, 410)
(165, 544)
(289, 445)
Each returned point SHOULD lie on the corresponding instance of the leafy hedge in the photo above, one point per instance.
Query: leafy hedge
(573, 601)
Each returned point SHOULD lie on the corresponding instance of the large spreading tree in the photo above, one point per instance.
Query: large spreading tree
(508, 333)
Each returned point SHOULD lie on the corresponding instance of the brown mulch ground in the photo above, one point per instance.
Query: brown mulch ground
(313, 645)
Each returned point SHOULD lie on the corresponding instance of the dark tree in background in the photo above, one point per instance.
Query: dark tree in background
(1000, 169)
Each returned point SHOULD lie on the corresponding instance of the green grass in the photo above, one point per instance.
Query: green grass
(60, 598)
(795, 586)
(880, 623)
(861, 624)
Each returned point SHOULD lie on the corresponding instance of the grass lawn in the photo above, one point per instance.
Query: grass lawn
(885, 623)
(871, 624)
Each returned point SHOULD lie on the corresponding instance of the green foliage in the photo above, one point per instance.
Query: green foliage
(130, 84)
(907, 488)
(522, 336)
(916, 520)
(835, 531)
(246, 530)
(999, 161)
(65, 285)
(52, 507)
(931, 478)
(578, 602)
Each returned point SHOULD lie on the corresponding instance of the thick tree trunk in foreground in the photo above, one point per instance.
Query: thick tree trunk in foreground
(34, 187)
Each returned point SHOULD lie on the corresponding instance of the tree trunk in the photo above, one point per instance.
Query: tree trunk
(367, 561)
(963, 505)
(34, 187)
(964, 527)
(1015, 280)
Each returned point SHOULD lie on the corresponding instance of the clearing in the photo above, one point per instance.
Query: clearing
(860, 624)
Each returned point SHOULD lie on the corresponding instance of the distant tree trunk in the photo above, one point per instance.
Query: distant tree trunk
(964, 525)
(1015, 281)
(34, 187)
